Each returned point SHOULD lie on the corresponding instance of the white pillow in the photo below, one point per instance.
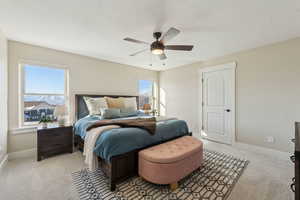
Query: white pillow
(95, 105)
(130, 102)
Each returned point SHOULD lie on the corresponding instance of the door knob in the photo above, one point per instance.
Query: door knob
(227, 110)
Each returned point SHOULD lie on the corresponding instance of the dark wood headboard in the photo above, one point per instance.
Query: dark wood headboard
(81, 109)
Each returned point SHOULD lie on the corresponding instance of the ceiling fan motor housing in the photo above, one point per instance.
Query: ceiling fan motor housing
(157, 45)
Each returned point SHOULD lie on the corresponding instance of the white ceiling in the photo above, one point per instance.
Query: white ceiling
(96, 28)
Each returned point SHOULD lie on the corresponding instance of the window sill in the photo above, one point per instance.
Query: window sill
(23, 130)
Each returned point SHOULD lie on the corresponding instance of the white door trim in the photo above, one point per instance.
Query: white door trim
(231, 65)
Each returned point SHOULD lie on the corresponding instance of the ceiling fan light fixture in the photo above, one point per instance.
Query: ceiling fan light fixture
(157, 51)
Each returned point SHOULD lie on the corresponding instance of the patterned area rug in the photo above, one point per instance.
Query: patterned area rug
(213, 181)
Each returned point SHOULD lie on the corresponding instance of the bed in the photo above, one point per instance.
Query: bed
(117, 149)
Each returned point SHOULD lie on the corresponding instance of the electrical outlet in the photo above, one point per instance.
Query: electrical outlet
(270, 139)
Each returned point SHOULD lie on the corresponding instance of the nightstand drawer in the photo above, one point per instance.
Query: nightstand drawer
(52, 146)
(54, 137)
(55, 132)
(55, 150)
(52, 142)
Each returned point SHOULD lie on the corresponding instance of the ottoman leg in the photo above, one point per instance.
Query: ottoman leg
(174, 186)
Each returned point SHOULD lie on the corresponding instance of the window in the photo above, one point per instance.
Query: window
(146, 91)
(43, 88)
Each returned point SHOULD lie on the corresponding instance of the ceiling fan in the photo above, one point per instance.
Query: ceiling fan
(158, 47)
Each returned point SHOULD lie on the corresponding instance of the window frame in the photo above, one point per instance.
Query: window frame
(22, 93)
(153, 95)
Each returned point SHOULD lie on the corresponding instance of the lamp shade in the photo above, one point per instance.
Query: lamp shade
(60, 111)
(146, 106)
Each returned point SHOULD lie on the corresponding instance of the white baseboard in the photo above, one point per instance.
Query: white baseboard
(3, 162)
(256, 149)
(22, 154)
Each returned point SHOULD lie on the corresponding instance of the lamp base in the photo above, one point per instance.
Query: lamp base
(61, 121)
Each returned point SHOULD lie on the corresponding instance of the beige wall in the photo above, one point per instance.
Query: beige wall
(268, 93)
(3, 94)
(87, 75)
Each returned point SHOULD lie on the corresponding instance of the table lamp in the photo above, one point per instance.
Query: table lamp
(147, 108)
(60, 114)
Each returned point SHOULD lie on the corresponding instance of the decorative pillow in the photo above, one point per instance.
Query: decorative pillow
(128, 112)
(130, 102)
(115, 102)
(95, 105)
(127, 109)
(110, 113)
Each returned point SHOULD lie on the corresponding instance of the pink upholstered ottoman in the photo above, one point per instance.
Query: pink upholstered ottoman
(169, 162)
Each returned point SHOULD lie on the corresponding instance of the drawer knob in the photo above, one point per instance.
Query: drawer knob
(293, 187)
(293, 158)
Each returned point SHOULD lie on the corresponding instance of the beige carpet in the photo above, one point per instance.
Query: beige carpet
(267, 177)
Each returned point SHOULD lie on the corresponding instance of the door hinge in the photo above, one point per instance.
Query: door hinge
(202, 103)
(202, 80)
(202, 128)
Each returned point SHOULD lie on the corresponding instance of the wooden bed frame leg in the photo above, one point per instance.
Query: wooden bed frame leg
(112, 186)
(174, 186)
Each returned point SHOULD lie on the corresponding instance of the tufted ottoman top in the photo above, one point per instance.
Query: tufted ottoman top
(172, 151)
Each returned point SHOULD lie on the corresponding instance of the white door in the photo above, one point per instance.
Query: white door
(218, 103)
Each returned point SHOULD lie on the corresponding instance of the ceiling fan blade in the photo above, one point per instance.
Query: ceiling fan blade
(135, 41)
(170, 34)
(134, 54)
(162, 56)
(179, 47)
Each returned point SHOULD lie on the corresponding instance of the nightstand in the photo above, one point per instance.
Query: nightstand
(53, 141)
